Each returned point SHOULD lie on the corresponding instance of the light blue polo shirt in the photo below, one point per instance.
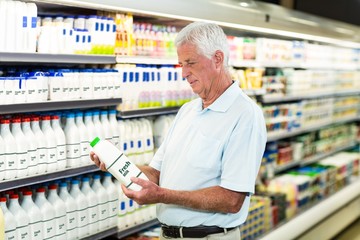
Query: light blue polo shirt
(221, 145)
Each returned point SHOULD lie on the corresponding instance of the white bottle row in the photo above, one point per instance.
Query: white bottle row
(70, 209)
(61, 210)
(38, 144)
(151, 86)
(58, 85)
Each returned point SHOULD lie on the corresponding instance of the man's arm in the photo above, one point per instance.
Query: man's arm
(213, 199)
(152, 174)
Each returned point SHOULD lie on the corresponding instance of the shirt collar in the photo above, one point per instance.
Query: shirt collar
(223, 103)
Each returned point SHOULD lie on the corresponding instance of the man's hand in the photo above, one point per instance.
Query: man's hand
(97, 161)
(149, 194)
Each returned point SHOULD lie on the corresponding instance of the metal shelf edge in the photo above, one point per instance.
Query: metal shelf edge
(54, 105)
(147, 112)
(11, 184)
(56, 58)
(106, 233)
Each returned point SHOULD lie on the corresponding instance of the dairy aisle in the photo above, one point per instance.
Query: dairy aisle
(109, 70)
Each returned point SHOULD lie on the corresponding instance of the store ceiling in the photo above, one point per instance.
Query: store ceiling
(345, 10)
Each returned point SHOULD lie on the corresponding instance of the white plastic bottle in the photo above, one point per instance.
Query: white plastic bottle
(10, 226)
(98, 126)
(35, 216)
(32, 28)
(2, 159)
(72, 141)
(51, 143)
(10, 150)
(60, 212)
(32, 146)
(103, 199)
(106, 125)
(149, 141)
(122, 211)
(117, 163)
(22, 148)
(42, 145)
(48, 213)
(113, 194)
(71, 213)
(82, 208)
(114, 128)
(21, 218)
(84, 139)
(60, 141)
(93, 207)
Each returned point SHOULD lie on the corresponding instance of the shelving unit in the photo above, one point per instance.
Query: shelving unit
(102, 234)
(45, 58)
(227, 16)
(56, 105)
(302, 222)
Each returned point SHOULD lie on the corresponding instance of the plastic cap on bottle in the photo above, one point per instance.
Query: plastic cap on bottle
(94, 142)
(14, 196)
(41, 189)
(52, 187)
(27, 193)
(2, 199)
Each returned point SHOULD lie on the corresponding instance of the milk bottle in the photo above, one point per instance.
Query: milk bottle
(114, 128)
(82, 205)
(72, 141)
(35, 216)
(10, 227)
(60, 141)
(48, 213)
(2, 159)
(42, 145)
(22, 148)
(84, 139)
(11, 158)
(113, 194)
(21, 218)
(117, 163)
(122, 211)
(51, 143)
(106, 125)
(60, 212)
(98, 126)
(103, 200)
(90, 127)
(71, 212)
(32, 146)
(2, 224)
(93, 208)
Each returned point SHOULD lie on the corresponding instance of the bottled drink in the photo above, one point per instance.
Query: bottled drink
(71, 212)
(103, 199)
(32, 146)
(51, 143)
(113, 194)
(48, 213)
(82, 205)
(72, 141)
(2, 159)
(84, 139)
(22, 148)
(21, 218)
(117, 163)
(114, 128)
(10, 227)
(60, 141)
(93, 208)
(42, 145)
(11, 158)
(59, 206)
(35, 216)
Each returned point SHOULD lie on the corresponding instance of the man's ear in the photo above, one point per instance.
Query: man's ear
(219, 58)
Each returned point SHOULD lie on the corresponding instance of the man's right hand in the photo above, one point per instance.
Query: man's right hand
(97, 161)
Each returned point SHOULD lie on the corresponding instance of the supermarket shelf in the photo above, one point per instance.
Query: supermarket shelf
(314, 158)
(11, 184)
(146, 60)
(294, 227)
(9, 57)
(101, 235)
(254, 92)
(53, 105)
(147, 112)
(278, 99)
(284, 134)
(137, 228)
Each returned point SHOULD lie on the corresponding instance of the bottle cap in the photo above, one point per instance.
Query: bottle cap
(2, 199)
(94, 142)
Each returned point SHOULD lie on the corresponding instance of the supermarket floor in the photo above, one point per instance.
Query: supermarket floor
(350, 233)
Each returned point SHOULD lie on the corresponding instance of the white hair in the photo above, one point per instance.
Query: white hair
(207, 37)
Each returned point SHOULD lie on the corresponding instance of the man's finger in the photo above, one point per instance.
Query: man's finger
(138, 181)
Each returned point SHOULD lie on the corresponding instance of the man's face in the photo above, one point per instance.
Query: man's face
(197, 69)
